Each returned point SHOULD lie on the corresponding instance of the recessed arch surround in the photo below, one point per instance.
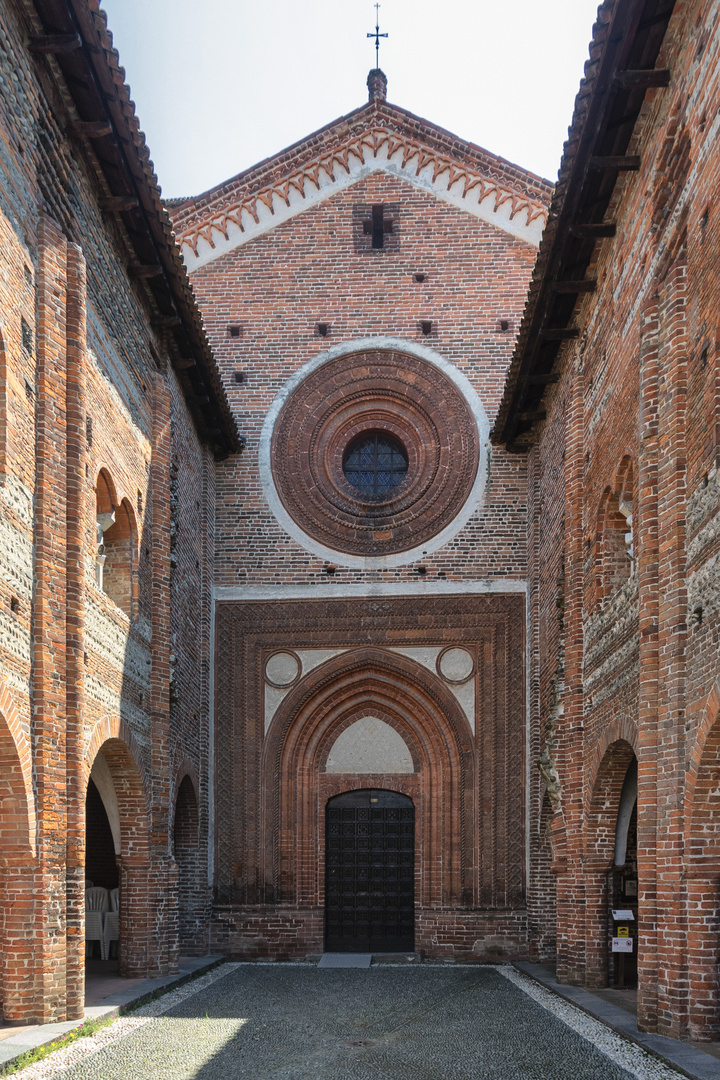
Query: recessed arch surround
(426, 716)
(272, 784)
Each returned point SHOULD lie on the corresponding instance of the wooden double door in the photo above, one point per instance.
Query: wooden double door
(369, 872)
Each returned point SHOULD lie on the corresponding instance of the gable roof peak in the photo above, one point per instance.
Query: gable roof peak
(377, 85)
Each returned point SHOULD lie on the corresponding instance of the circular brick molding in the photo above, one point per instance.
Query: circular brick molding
(455, 665)
(401, 395)
(282, 669)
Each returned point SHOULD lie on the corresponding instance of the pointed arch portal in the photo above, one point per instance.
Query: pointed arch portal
(420, 697)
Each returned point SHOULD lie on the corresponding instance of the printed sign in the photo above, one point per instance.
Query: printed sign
(623, 915)
(622, 944)
(623, 931)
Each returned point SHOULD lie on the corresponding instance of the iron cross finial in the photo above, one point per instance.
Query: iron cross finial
(377, 35)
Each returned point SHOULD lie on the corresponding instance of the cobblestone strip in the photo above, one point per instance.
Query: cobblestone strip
(69, 1056)
(627, 1055)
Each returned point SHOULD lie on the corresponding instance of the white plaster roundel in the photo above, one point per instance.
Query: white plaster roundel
(282, 669)
(456, 665)
(369, 746)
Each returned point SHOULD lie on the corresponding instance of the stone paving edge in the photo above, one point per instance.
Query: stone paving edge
(13, 1048)
(688, 1060)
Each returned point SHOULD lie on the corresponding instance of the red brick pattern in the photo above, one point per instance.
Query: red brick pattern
(272, 789)
(278, 286)
(90, 410)
(633, 648)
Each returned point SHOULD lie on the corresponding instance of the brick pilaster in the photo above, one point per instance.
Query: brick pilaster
(164, 957)
(569, 732)
(49, 644)
(647, 555)
(77, 514)
(672, 971)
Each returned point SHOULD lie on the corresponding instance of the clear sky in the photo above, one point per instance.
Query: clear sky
(222, 84)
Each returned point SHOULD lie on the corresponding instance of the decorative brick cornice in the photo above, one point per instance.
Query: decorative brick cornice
(344, 153)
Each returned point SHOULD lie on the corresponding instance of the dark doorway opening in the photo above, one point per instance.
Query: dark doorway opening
(624, 886)
(369, 872)
(100, 861)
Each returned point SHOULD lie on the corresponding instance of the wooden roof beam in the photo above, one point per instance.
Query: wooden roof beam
(593, 230)
(117, 203)
(91, 129)
(543, 380)
(150, 271)
(560, 333)
(621, 163)
(586, 285)
(55, 44)
(642, 80)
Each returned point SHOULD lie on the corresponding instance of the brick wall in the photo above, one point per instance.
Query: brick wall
(279, 286)
(634, 641)
(80, 363)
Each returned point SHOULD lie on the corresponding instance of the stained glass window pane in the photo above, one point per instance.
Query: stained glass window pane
(374, 464)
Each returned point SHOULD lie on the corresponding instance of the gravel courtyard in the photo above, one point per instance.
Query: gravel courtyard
(266, 1022)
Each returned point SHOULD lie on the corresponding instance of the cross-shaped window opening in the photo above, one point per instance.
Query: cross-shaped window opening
(378, 226)
(374, 464)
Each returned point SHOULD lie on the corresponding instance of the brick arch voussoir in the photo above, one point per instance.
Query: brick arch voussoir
(710, 718)
(114, 727)
(609, 764)
(622, 729)
(702, 819)
(625, 468)
(24, 836)
(108, 730)
(353, 709)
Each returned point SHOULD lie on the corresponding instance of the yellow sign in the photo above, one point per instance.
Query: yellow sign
(623, 931)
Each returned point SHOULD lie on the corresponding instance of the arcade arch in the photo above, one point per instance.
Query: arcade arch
(116, 558)
(116, 776)
(611, 834)
(614, 537)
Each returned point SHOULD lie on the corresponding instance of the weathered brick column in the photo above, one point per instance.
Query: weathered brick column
(647, 547)
(163, 878)
(49, 668)
(77, 515)
(569, 734)
(672, 641)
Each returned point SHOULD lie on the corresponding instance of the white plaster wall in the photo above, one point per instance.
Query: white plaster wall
(369, 746)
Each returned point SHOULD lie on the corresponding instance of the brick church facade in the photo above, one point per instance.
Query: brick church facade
(370, 279)
(338, 499)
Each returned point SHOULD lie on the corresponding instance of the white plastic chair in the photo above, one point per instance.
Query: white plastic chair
(96, 903)
(111, 922)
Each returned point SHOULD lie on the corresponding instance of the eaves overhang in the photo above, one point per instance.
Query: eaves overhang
(74, 41)
(626, 41)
